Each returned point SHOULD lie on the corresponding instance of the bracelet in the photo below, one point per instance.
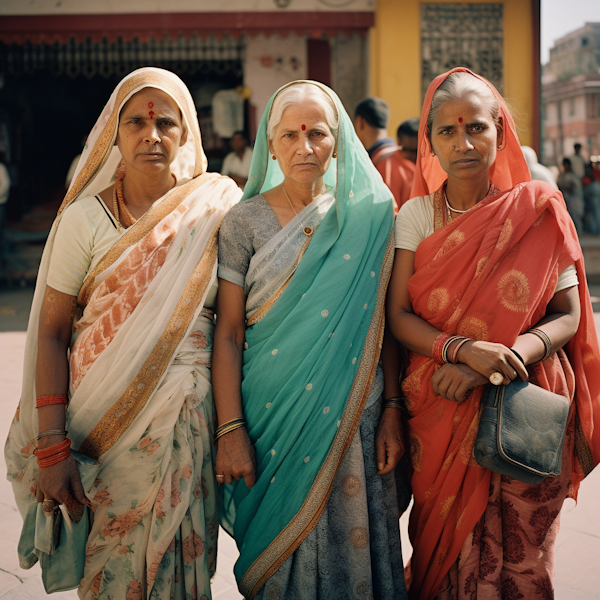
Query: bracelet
(44, 463)
(458, 346)
(221, 432)
(438, 346)
(49, 400)
(517, 355)
(545, 339)
(51, 450)
(51, 432)
(46, 457)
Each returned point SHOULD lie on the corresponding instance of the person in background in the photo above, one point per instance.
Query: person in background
(237, 163)
(371, 119)
(578, 162)
(537, 171)
(407, 136)
(591, 200)
(570, 186)
(4, 192)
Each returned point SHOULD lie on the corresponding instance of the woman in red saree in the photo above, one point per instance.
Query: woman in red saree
(484, 253)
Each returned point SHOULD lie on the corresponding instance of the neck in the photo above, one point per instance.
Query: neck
(142, 189)
(303, 193)
(372, 135)
(241, 153)
(463, 195)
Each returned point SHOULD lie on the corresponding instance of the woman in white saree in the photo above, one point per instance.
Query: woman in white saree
(122, 324)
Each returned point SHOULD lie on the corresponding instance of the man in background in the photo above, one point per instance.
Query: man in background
(371, 119)
(237, 163)
(577, 162)
(407, 136)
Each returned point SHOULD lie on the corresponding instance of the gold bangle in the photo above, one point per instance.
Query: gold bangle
(396, 402)
(227, 423)
(221, 432)
(545, 340)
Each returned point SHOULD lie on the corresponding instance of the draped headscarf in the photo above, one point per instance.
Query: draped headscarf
(509, 168)
(311, 360)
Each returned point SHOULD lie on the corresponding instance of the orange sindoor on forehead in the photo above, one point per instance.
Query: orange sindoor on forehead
(303, 127)
(151, 113)
(460, 119)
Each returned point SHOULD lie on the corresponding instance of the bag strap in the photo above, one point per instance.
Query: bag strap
(383, 153)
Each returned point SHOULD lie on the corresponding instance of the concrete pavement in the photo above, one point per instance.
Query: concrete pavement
(578, 547)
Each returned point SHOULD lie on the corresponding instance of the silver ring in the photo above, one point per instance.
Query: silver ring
(220, 476)
(496, 378)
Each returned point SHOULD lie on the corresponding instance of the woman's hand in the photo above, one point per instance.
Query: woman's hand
(236, 458)
(455, 382)
(58, 482)
(487, 358)
(389, 440)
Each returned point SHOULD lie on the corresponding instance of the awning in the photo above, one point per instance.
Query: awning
(50, 29)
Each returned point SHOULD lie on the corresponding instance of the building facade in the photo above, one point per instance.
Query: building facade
(571, 95)
(64, 58)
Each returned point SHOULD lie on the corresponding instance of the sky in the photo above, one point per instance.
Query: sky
(560, 17)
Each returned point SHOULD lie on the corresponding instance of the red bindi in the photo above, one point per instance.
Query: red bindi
(303, 127)
(151, 113)
(150, 104)
(460, 119)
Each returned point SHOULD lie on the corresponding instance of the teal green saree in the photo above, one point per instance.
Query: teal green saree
(315, 310)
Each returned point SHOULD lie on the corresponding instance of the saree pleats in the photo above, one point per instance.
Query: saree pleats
(483, 277)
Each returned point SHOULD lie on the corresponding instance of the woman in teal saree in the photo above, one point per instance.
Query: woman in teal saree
(304, 260)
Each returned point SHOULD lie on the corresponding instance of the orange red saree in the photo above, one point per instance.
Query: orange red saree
(489, 275)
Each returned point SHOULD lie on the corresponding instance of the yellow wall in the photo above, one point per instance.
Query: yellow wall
(395, 59)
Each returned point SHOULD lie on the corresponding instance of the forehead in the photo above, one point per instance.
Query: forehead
(161, 100)
(469, 106)
(307, 112)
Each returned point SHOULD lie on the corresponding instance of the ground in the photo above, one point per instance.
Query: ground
(578, 546)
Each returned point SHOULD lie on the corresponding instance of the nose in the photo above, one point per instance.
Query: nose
(304, 146)
(151, 135)
(464, 142)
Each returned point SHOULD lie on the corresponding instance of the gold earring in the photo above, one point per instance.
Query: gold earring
(432, 153)
(334, 155)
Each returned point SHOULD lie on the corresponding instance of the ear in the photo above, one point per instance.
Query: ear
(184, 133)
(500, 129)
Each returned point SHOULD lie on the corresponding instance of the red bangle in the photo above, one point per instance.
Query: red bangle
(49, 400)
(44, 463)
(52, 450)
(438, 344)
(458, 347)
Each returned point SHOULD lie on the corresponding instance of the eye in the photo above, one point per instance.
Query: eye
(318, 134)
(167, 123)
(135, 121)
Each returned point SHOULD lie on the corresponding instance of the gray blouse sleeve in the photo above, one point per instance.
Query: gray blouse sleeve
(235, 247)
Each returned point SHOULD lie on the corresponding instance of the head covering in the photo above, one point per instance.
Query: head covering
(101, 157)
(326, 327)
(509, 168)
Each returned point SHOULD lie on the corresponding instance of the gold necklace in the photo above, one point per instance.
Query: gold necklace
(306, 229)
(455, 210)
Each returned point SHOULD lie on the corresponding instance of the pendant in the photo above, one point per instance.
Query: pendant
(308, 230)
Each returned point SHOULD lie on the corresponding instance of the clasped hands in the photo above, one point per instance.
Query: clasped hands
(477, 361)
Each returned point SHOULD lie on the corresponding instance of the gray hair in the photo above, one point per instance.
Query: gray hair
(296, 94)
(457, 85)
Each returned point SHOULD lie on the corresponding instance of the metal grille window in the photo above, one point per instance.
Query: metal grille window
(461, 35)
(106, 58)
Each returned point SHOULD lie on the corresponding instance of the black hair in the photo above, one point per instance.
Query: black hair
(409, 128)
(374, 111)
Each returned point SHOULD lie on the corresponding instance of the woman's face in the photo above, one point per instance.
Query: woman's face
(150, 131)
(303, 142)
(464, 137)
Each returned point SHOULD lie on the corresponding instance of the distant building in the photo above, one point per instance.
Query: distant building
(571, 95)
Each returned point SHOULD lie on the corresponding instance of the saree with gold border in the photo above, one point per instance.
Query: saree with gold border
(140, 399)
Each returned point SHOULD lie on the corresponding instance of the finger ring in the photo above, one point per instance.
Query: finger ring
(496, 378)
(48, 506)
(220, 476)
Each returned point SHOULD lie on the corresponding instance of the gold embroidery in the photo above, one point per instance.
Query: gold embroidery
(439, 210)
(465, 451)
(513, 289)
(138, 231)
(441, 555)
(582, 448)
(446, 507)
(270, 303)
(359, 538)
(351, 486)
(481, 265)
(438, 300)
(123, 412)
(505, 234)
(286, 543)
(416, 451)
(474, 328)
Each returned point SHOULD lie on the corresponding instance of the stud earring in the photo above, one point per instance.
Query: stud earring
(500, 146)
(334, 155)
(432, 153)
(274, 157)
